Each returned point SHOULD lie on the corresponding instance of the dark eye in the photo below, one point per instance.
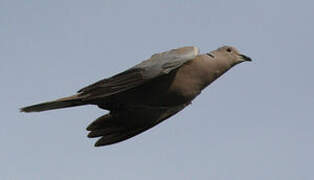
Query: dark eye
(229, 50)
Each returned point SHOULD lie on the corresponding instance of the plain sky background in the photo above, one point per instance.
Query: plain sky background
(255, 122)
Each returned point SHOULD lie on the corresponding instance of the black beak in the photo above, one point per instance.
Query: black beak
(245, 58)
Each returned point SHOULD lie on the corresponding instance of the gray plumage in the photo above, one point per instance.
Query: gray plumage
(148, 93)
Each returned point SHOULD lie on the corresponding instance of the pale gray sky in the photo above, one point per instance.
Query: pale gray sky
(256, 122)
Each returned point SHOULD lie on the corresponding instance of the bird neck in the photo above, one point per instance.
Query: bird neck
(211, 69)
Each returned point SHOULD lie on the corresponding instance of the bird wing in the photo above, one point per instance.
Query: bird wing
(159, 64)
(121, 125)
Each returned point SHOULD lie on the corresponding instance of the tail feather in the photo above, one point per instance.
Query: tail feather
(70, 101)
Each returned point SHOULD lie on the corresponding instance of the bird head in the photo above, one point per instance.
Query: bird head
(230, 54)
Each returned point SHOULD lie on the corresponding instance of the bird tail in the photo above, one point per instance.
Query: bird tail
(70, 101)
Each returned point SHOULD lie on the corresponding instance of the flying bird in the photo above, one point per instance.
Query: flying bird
(148, 93)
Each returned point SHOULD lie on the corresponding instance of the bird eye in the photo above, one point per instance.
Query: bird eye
(229, 50)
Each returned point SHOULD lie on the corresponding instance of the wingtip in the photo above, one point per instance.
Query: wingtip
(99, 144)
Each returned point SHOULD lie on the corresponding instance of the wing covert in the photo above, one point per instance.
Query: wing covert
(159, 64)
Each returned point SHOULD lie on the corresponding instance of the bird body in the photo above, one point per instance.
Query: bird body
(148, 93)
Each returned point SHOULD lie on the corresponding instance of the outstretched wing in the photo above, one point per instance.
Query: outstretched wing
(124, 124)
(158, 65)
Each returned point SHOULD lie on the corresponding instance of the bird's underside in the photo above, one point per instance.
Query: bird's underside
(130, 112)
(135, 110)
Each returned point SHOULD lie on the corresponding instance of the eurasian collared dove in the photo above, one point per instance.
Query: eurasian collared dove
(148, 93)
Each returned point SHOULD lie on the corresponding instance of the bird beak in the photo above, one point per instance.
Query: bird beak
(245, 58)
